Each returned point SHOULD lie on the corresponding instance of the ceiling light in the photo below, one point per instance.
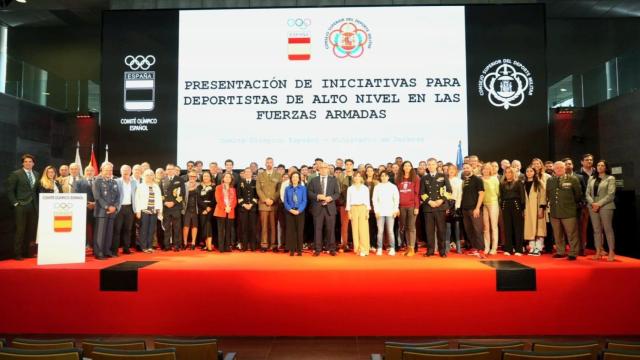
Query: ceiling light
(563, 89)
(21, 1)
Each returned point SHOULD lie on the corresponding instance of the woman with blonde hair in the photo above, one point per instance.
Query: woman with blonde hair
(490, 209)
(48, 181)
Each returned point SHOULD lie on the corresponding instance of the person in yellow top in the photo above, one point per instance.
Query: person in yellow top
(490, 209)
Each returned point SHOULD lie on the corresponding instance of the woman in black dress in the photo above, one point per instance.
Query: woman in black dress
(206, 204)
(190, 219)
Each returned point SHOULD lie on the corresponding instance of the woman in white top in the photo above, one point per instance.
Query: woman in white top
(453, 220)
(148, 208)
(601, 192)
(386, 202)
(358, 206)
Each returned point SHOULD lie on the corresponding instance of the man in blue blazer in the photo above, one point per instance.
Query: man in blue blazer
(323, 190)
(107, 195)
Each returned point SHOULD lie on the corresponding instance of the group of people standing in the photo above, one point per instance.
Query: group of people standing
(478, 207)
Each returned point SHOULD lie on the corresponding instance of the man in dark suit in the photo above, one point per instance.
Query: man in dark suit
(21, 191)
(173, 193)
(323, 190)
(84, 186)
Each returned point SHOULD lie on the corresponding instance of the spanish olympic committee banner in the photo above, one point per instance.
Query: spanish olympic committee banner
(62, 225)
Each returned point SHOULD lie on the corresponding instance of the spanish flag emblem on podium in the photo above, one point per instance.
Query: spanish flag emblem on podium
(62, 222)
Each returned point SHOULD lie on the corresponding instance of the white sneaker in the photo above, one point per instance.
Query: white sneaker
(379, 252)
(506, 253)
(392, 252)
(363, 254)
(517, 254)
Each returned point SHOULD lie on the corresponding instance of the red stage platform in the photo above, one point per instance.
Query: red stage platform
(195, 293)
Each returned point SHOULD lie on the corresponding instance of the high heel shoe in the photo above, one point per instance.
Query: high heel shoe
(598, 255)
(193, 246)
(612, 257)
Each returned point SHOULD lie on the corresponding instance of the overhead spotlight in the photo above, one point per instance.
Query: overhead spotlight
(22, 1)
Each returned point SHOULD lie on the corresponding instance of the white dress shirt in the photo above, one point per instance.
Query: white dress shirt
(358, 195)
(126, 192)
(456, 190)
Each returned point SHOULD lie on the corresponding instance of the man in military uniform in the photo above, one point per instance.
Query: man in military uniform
(267, 189)
(435, 190)
(107, 200)
(247, 210)
(173, 193)
(563, 194)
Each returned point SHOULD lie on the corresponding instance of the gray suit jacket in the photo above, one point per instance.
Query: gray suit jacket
(606, 192)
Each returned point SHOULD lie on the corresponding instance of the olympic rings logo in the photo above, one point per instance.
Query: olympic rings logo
(299, 22)
(139, 62)
(63, 206)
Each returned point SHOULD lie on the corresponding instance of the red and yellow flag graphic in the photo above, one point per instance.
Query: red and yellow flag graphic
(62, 223)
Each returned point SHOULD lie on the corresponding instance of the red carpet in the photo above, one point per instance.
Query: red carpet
(195, 293)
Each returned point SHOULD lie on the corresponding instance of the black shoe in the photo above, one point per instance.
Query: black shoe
(581, 253)
(275, 249)
(332, 253)
(290, 253)
(100, 258)
(558, 256)
(127, 252)
(110, 255)
(193, 247)
(428, 254)
(316, 253)
(18, 258)
(571, 258)
(443, 255)
(176, 249)
(263, 250)
(299, 253)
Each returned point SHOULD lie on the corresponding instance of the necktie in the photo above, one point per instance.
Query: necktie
(349, 180)
(322, 182)
(30, 177)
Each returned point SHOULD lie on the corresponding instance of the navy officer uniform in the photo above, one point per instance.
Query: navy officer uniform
(173, 190)
(247, 219)
(434, 187)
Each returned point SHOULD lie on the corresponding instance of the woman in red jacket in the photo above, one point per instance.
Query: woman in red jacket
(224, 212)
(409, 187)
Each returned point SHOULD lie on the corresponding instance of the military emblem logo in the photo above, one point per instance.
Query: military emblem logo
(348, 38)
(506, 83)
